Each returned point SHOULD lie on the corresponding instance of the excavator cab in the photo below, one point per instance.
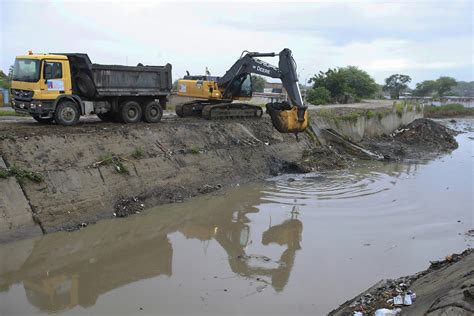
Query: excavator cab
(240, 88)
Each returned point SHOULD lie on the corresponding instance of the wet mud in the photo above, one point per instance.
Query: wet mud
(421, 139)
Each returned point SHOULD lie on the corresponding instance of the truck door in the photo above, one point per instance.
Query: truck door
(55, 78)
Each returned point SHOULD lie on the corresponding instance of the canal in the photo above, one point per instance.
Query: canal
(295, 244)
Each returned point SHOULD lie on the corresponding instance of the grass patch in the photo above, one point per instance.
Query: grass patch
(350, 117)
(370, 114)
(138, 153)
(448, 110)
(195, 150)
(21, 174)
(11, 113)
(400, 108)
(111, 159)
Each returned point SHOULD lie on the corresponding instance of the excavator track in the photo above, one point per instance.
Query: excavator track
(193, 108)
(231, 110)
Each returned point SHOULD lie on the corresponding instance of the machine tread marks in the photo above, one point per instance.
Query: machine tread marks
(130, 112)
(152, 112)
(67, 113)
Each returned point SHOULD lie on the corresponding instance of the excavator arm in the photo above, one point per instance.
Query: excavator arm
(289, 117)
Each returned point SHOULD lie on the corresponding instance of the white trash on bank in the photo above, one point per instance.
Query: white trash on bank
(407, 300)
(398, 300)
(387, 312)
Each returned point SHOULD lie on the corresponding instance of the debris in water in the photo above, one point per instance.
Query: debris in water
(127, 206)
(207, 188)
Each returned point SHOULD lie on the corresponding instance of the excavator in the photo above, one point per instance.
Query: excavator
(215, 95)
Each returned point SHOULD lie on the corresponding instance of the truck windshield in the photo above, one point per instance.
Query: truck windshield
(26, 70)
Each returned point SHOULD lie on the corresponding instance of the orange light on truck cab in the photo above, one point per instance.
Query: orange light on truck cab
(30, 52)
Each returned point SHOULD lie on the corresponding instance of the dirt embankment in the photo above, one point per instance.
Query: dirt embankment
(445, 288)
(100, 170)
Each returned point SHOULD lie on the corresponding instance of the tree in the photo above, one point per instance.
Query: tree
(425, 88)
(318, 96)
(345, 83)
(396, 84)
(10, 71)
(444, 84)
(5, 81)
(258, 83)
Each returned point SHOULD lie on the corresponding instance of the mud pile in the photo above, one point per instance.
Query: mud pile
(423, 138)
(324, 158)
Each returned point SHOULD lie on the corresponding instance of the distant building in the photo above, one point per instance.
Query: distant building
(4, 97)
(274, 87)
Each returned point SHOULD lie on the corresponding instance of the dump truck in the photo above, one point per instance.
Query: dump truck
(61, 87)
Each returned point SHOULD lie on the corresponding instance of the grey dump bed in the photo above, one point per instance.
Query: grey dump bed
(113, 80)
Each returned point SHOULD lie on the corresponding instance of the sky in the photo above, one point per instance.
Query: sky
(423, 39)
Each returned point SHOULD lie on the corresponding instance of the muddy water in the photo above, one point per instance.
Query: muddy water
(291, 245)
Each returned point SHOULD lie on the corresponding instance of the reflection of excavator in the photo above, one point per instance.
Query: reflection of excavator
(234, 236)
(217, 93)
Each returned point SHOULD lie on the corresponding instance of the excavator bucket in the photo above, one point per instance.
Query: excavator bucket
(289, 121)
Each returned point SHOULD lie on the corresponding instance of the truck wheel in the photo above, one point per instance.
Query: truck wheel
(107, 117)
(85, 85)
(43, 119)
(130, 112)
(67, 113)
(152, 112)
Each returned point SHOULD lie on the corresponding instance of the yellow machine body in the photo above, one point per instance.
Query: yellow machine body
(42, 89)
(286, 121)
(202, 89)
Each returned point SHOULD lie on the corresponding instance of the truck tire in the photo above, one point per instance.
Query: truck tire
(130, 112)
(85, 85)
(67, 113)
(152, 113)
(43, 119)
(107, 117)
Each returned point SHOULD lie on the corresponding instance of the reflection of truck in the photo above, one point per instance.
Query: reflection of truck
(62, 87)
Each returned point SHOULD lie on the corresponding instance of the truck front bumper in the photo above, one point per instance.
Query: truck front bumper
(33, 107)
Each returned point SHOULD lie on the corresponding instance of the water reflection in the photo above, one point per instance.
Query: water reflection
(60, 271)
(375, 203)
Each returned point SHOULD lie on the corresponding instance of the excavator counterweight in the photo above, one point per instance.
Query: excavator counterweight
(216, 95)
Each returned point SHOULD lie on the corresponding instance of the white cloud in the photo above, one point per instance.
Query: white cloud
(423, 38)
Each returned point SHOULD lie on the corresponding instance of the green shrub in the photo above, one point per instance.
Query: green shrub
(318, 96)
